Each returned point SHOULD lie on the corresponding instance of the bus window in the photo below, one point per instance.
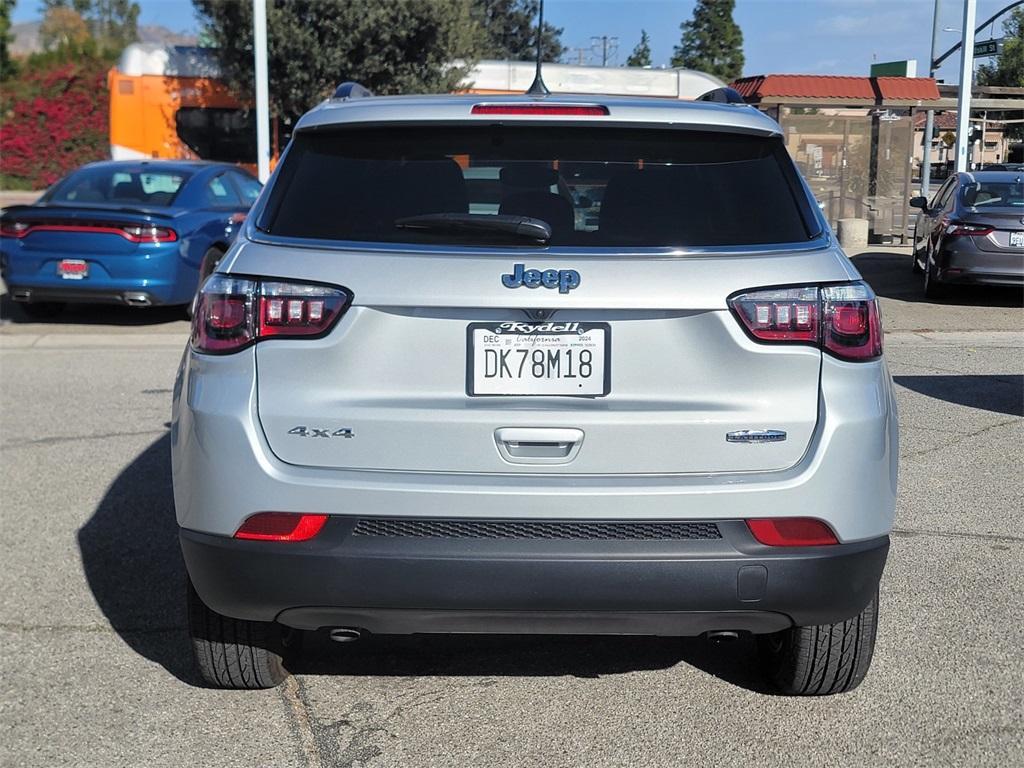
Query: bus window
(227, 135)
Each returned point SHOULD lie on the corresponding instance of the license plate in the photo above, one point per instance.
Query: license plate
(73, 269)
(529, 359)
(1017, 239)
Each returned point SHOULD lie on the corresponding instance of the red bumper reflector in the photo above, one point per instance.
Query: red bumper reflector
(792, 532)
(281, 526)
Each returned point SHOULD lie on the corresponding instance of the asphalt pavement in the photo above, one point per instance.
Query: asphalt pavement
(95, 666)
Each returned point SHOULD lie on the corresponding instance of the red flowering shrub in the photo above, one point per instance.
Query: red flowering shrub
(54, 118)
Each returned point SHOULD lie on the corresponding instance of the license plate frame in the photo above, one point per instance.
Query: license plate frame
(73, 269)
(514, 331)
(1017, 239)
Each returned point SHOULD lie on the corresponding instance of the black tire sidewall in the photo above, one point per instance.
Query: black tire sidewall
(211, 260)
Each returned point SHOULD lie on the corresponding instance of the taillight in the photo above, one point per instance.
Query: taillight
(150, 234)
(959, 229)
(135, 233)
(841, 319)
(792, 532)
(232, 313)
(14, 229)
(281, 526)
(851, 326)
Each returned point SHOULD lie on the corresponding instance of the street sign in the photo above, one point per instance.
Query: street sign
(989, 47)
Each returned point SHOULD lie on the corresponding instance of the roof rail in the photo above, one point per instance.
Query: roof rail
(350, 90)
(722, 96)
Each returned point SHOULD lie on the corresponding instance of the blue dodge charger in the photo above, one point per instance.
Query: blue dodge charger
(135, 233)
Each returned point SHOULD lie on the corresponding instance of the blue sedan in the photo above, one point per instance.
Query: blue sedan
(132, 232)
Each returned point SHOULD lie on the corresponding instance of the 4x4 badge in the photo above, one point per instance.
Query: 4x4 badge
(562, 279)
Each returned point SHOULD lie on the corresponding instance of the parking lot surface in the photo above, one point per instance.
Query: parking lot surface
(95, 665)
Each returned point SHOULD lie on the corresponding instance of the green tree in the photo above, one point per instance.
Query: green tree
(712, 41)
(641, 55)
(7, 66)
(113, 24)
(1008, 69)
(398, 46)
(63, 27)
(510, 31)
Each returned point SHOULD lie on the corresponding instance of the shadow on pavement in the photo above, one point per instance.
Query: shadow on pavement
(1000, 393)
(94, 314)
(528, 656)
(133, 566)
(889, 275)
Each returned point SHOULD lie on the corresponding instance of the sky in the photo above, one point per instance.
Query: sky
(840, 37)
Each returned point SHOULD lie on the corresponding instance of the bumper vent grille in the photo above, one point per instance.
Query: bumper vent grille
(524, 529)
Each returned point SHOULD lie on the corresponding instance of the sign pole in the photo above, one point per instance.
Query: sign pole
(963, 102)
(259, 30)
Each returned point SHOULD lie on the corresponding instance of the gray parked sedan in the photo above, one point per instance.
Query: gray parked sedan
(422, 395)
(971, 232)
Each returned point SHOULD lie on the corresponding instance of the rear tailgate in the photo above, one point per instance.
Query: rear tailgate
(387, 389)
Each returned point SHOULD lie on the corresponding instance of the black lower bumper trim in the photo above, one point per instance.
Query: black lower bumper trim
(396, 621)
(129, 298)
(404, 585)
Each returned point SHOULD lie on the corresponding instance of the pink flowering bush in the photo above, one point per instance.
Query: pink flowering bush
(53, 118)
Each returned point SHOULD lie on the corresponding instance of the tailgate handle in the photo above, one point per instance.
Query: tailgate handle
(538, 445)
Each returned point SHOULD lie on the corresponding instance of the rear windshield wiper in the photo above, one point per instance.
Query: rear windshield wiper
(505, 224)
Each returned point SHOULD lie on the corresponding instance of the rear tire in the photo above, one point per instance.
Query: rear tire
(933, 289)
(823, 659)
(211, 260)
(234, 653)
(915, 265)
(42, 310)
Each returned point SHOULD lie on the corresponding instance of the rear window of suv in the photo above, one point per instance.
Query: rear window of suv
(607, 187)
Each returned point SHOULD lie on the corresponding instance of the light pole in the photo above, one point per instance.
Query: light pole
(929, 122)
(259, 36)
(963, 102)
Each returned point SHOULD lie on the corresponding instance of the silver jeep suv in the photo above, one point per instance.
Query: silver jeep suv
(535, 365)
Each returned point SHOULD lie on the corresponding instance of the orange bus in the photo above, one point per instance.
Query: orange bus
(170, 101)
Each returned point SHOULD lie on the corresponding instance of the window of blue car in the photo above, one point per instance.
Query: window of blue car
(994, 194)
(248, 186)
(220, 194)
(119, 185)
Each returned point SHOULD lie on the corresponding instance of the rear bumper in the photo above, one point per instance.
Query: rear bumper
(157, 273)
(397, 584)
(967, 264)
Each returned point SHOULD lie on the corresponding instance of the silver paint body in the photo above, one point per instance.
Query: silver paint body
(393, 371)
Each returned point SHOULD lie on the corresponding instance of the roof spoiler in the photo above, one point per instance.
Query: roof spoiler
(722, 96)
(350, 90)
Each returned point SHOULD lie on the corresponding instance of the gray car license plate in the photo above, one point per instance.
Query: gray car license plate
(1017, 239)
(523, 359)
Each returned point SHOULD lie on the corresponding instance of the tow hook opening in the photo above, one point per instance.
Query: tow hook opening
(345, 634)
(723, 636)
